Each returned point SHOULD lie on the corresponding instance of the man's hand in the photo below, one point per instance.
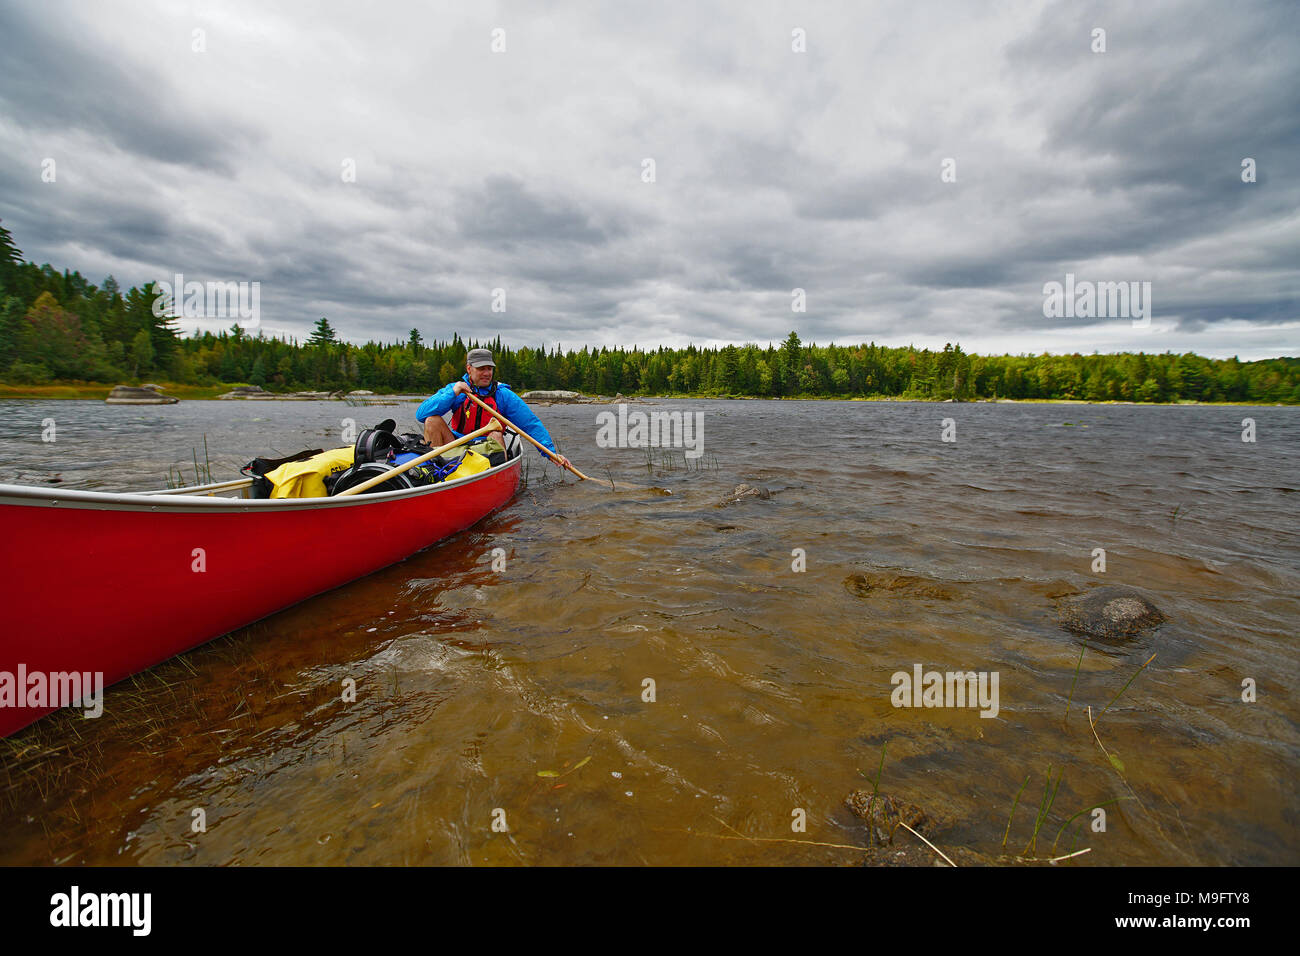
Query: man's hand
(461, 388)
(559, 461)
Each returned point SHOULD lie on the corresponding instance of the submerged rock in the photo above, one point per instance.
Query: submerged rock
(1109, 613)
(740, 492)
(896, 585)
(888, 844)
(884, 814)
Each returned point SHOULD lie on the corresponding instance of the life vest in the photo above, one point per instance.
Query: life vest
(470, 417)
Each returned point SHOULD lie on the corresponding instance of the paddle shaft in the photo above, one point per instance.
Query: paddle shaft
(398, 469)
(520, 432)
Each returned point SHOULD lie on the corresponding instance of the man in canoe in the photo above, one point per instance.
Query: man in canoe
(467, 416)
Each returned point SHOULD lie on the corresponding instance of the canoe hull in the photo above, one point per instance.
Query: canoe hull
(115, 584)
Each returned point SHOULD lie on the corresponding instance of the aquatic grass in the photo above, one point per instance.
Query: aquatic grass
(1013, 810)
(668, 461)
(50, 766)
(875, 787)
(1070, 698)
(1069, 820)
(1113, 760)
(1124, 688)
(1044, 808)
(875, 790)
(1118, 767)
(703, 463)
(175, 476)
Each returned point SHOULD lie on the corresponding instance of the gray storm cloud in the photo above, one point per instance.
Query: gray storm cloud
(217, 141)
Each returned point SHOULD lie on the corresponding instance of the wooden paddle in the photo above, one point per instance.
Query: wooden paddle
(523, 434)
(398, 469)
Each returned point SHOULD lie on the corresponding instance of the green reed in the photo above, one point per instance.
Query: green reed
(1077, 665)
(1013, 811)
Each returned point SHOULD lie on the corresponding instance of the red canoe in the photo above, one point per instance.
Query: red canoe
(113, 584)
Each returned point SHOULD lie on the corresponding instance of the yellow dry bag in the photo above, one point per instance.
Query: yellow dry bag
(471, 463)
(306, 479)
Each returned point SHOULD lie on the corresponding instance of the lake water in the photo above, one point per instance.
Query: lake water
(481, 692)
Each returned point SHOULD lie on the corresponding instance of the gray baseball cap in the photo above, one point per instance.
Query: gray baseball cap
(479, 357)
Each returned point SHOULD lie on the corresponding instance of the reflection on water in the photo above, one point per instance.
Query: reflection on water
(480, 691)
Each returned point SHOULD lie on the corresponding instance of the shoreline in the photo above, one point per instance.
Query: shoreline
(80, 391)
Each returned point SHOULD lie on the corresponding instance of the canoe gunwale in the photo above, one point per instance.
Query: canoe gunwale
(200, 500)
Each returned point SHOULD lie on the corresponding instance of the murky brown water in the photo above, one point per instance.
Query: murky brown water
(772, 687)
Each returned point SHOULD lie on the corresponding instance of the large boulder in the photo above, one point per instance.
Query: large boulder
(556, 395)
(131, 395)
(245, 391)
(1108, 613)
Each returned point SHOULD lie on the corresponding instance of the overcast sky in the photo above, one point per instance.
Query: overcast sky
(223, 154)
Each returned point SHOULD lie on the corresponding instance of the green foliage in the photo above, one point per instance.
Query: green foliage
(61, 326)
(28, 373)
(55, 338)
(142, 353)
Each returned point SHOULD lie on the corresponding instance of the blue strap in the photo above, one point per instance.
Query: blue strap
(440, 473)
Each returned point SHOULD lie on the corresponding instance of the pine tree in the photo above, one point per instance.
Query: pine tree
(323, 334)
(10, 256)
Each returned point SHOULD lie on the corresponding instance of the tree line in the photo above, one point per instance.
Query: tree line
(57, 326)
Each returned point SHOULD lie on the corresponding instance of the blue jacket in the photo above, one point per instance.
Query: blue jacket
(508, 404)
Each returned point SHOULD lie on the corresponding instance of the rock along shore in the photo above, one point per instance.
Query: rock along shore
(143, 395)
